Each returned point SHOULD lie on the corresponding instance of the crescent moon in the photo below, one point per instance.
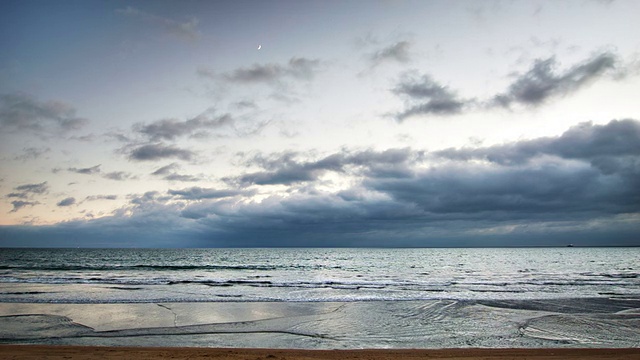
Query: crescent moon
(259, 47)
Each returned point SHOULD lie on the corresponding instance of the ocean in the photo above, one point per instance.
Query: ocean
(323, 298)
(192, 275)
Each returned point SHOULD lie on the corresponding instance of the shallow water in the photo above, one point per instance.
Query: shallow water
(383, 324)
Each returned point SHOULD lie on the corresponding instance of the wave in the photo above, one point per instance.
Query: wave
(140, 267)
(612, 275)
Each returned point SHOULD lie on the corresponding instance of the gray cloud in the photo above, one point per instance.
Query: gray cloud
(20, 112)
(286, 169)
(185, 30)
(570, 188)
(86, 171)
(426, 96)
(245, 104)
(114, 175)
(302, 68)
(541, 82)
(66, 202)
(398, 52)
(169, 129)
(32, 153)
(117, 136)
(206, 73)
(605, 179)
(34, 188)
(19, 204)
(586, 141)
(150, 197)
(198, 193)
(181, 177)
(159, 151)
(28, 190)
(118, 175)
(83, 138)
(101, 197)
(297, 68)
(169, 173)
(464, 191)
(546, 191)
(166, 170)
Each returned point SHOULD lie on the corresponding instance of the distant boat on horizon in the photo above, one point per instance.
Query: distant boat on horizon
(569, 245)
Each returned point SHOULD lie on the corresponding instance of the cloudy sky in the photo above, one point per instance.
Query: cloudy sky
(315, 123)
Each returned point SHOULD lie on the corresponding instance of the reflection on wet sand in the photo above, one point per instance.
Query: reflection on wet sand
(321, 325)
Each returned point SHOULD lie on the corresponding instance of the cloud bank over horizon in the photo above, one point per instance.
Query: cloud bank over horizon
(178, 131)
(585, 180)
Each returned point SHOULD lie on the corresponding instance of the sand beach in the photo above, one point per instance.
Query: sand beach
(148, 353)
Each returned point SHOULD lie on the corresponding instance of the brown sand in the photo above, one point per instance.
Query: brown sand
(144, 353)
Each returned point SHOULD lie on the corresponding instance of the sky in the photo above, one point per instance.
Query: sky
(319, 123)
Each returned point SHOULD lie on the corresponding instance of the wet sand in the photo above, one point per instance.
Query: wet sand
(143, 353)
(574, 323)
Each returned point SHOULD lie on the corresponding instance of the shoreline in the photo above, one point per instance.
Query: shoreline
(436, 324)
(143, 353)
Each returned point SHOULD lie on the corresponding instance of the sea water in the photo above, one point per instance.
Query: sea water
(172, 275)
(322, 298)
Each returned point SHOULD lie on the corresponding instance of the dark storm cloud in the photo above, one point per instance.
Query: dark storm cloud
(19, 204)
(542, 82)
(20, 112)
(86, 171)
(450, 196)
(424, 95)
(286, 169)
(546, 191)
(169, 129)
(588, 141)
(596, 170)
(309, 214)
(66, 202)
(297, 68)
(618, 138)
(150, 222)
(185, 30)
(398, 52)
(159, 151)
